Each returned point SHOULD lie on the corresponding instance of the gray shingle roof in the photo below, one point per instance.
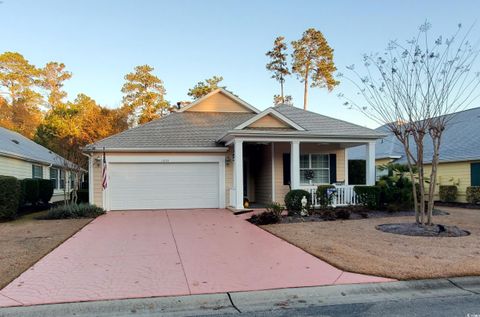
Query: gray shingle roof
(460, 141)
(15, 144)
(202, 129)
(177, 130)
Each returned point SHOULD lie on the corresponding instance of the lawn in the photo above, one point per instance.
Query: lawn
(356, 246)
(26, 240)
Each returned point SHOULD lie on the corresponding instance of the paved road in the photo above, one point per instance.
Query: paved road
(462, 306)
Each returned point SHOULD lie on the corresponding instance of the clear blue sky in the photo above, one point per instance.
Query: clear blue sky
(188, 41)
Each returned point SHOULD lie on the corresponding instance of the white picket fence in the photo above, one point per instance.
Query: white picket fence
(343, 196)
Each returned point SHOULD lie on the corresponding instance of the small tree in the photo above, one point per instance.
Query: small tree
(313, 61)
(203, 88)
(413, 89)
(278, 63)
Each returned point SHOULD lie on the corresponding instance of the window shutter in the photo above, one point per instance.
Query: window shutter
(286, 168)
(333, 168)
(475, 174)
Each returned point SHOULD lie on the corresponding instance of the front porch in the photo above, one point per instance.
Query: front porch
(265, 169)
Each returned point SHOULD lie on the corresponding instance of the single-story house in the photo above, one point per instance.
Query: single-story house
(22, 158)
(459, 152)
(219, 150)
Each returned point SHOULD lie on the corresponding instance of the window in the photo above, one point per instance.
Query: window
(54, 177)
(62, 179)
(37, 171)
(318, 164)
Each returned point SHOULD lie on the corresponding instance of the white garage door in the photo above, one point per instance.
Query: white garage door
(163, 185)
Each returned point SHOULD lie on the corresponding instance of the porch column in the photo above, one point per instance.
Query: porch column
(346, 166)
(295, 165)
(238, 173)
(370, 163)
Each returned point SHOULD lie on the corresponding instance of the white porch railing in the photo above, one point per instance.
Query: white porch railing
(344, 195)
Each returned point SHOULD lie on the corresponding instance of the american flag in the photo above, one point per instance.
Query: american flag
(104, 172)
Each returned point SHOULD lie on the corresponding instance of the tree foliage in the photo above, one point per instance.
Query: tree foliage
(53, 76)
(313, 62)
(205, 87)
(144, 95)
(278, 65)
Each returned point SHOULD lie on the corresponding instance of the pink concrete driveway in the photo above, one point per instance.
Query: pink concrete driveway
(165, 253)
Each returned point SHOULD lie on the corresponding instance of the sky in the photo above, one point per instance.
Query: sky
(188, 41)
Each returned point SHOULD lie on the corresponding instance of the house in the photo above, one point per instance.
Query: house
(219, 150)
(22, 158)
(459, 152)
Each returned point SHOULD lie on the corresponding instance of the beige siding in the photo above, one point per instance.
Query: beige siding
(16, 168)
(269, 121)
(383, 161)
(219, 103)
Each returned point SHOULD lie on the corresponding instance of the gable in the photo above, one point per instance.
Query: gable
(218, 102)
(269, 122)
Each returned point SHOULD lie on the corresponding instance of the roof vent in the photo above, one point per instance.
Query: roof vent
(15, 141)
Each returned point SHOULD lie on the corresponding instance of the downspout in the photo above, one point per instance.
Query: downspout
(90, 177)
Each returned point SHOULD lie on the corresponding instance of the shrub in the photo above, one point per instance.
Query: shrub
(45, 190)
(448, 193)
(9, 197)
(276, 209)
(368, 196)
(395, 192)
(473, 194)
(293, 200)
(74, 211)
(322, 195)
(30, 190)
(265, 218)
(82, 196)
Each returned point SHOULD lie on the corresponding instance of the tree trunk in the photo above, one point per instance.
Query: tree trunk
(421, 178)
(281, 90)
(433, 176)
(305, 89)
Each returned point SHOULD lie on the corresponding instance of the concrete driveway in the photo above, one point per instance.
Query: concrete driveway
(166, 253)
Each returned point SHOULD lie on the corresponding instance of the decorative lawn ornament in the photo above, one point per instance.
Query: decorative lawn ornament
(304, 211)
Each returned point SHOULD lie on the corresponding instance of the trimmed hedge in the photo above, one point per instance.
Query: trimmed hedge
(368, 196)
(74, 211)
(473, 194)
(9, 197)
(323, 199)
(448, 193)
(31, 190)
(45, 190)
(293, 200)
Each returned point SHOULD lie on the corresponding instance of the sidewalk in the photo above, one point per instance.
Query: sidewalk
(258, 301)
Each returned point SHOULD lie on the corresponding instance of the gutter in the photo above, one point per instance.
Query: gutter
(156, 150)
(297, 134)
(27, 159)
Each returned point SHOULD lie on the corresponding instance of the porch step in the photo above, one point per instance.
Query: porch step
(239, 211)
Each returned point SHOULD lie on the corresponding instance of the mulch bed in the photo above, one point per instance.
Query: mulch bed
(457, 205)
(355, 215)
(413, 229)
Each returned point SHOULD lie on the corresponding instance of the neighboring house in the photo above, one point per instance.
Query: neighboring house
(22, 158)
(459, 152)
(219, 150)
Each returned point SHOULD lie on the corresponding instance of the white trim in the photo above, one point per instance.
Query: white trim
(273, 171)
(238, 171)
(370, 164)
(226, 93)
(273, 112)
(303, 140)
(345, 166)
(159, 150)
(220, 159)
(295, 164)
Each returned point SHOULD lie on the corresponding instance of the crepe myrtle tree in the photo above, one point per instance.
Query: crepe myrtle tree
(413, 88)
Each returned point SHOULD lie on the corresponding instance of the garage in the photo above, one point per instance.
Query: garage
(177, 185)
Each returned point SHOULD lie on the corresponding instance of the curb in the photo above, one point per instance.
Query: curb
(256, 301)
